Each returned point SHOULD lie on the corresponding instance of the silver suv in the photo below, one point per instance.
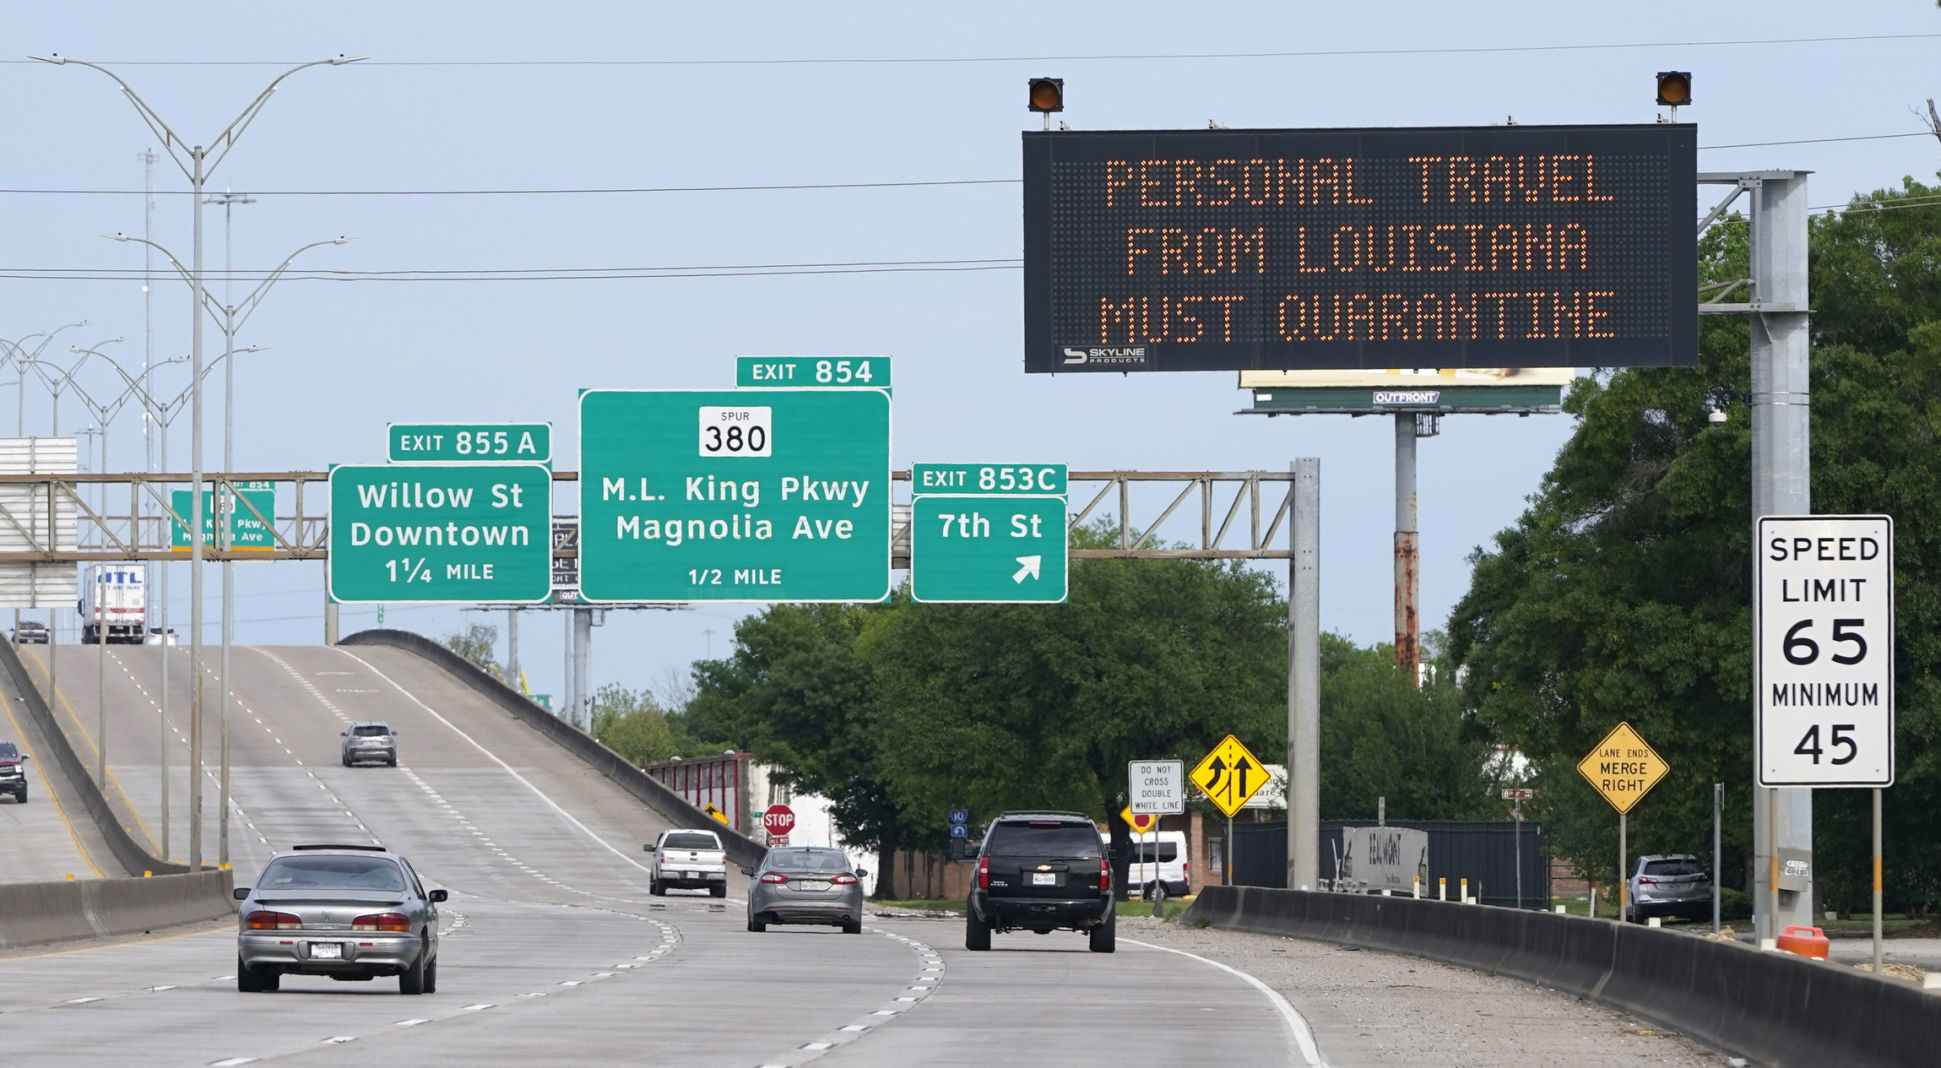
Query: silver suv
(370, 741)
(1670, 884)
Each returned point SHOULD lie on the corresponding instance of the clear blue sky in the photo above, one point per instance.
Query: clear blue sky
(488, 95)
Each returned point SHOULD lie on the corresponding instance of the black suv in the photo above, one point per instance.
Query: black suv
(1040, 871)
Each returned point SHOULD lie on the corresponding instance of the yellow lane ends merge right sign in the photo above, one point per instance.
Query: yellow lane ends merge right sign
(1623, 768)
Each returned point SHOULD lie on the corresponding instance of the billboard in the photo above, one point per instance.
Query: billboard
(1492, 246)
(1486, 390)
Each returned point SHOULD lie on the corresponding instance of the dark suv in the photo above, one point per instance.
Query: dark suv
(13, 772)
(1041, 871)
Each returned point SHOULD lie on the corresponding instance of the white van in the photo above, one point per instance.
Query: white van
(1170, 868)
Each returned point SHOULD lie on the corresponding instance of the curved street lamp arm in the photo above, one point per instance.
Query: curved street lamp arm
(222, 142)
(173, 144)
(250, 303)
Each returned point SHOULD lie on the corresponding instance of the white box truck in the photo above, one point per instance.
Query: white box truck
(114, 603)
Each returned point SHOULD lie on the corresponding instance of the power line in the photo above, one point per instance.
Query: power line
(1143, 57)
(765, 187)
(540, 274)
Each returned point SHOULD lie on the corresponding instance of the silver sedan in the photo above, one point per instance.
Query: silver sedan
(345, 911)
(806, 884)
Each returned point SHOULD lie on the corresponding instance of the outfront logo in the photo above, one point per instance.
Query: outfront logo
(1122, 356)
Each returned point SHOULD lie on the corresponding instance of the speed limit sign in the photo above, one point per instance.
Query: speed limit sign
(1823, 674)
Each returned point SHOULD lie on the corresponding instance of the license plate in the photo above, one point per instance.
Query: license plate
(326, 951)
(811, 884)
(1044, 878)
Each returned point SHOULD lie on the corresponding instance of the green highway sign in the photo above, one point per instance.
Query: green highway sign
(976, 548)
(246, 531)
(813, 372)
(734, 495)
(984, 479)
(404, 533)
(470, 443)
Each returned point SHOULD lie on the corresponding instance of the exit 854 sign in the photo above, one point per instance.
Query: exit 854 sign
(1823, 685)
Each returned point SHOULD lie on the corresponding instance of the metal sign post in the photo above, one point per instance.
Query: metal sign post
(1622, 769)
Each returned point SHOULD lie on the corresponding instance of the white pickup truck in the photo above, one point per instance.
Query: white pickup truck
(690, 859)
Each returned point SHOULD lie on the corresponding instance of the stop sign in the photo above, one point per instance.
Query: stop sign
(779, 819)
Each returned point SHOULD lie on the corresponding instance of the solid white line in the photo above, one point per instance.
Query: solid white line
(521, 779)
(1296, 1024)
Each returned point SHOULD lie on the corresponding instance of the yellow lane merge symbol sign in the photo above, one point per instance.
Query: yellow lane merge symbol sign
(1229, 775)
(1623, 768)
(715, 812)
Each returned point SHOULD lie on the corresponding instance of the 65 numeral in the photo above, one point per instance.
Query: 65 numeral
(1802, 650)
(1839, 735)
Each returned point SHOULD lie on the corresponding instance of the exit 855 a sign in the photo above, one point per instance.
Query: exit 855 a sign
(1823, 682)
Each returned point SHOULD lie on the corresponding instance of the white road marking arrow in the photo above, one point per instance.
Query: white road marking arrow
(1030, 568)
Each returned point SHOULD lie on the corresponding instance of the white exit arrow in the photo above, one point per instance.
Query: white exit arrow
(1030, 568)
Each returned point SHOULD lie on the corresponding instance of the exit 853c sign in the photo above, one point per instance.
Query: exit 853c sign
(1823, 683)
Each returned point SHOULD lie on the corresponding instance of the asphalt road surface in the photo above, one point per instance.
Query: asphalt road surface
(555, 951)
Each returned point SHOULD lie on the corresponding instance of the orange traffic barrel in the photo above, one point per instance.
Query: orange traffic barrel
(1805, 941)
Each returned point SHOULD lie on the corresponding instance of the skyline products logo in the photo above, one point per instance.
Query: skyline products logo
(1104, 356)
(1407, 396)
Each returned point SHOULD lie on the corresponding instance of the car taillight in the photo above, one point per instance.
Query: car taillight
(1105, 874)
(261, 920)
(1646, 880)
(774, 877)
(845, 879)
(381, 921)
(983, 873)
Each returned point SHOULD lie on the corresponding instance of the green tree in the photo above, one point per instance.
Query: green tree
(631, 724)
(1042, 706)
(796, 692)
(1623, 592)
(476, 643)
(1382, 737)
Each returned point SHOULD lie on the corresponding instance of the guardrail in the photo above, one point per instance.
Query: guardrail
(133, 859)
(1776, 1008)
(35, 914)
(741, 849)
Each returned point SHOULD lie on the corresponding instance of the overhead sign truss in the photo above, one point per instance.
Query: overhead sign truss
(1152, 515)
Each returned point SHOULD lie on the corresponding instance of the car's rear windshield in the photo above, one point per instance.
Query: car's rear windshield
(369, 730)
(1043, 840)
(807, 860)
(332, 873)
(1672, 867)
(691, 840)
(8, 752)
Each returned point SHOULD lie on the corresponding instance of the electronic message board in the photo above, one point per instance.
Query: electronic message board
(1493, 246)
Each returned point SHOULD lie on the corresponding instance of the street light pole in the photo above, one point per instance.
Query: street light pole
(229, 321)
(197, 167)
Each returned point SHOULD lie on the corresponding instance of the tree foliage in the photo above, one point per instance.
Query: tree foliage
(477, 643)
(630, 723)
(1384, 738)
(1623, 591)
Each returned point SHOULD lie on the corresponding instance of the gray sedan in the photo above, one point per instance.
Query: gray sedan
(806, 884)
(346, 911)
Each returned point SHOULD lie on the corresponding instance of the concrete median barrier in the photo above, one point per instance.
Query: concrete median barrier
(1775, 1008)
(741, 849)
(37, 914)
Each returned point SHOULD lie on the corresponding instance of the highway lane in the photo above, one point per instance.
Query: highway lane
(50, 837)
(559, 953)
